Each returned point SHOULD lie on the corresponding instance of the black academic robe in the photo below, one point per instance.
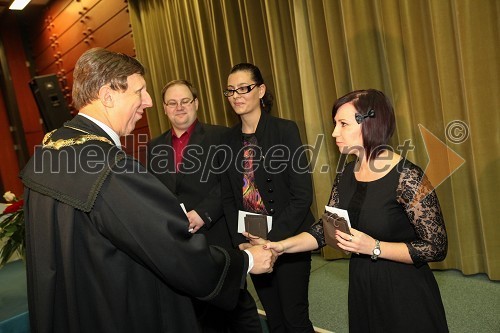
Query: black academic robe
(107, 245)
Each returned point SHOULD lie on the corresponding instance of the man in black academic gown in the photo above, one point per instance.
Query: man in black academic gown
(107, 245)
(184, 158)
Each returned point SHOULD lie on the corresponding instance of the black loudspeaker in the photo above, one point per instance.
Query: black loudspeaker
(50, 100)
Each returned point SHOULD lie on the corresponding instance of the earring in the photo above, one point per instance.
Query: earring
(262, 104)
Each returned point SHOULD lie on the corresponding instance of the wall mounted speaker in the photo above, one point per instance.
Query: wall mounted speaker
(50, 100)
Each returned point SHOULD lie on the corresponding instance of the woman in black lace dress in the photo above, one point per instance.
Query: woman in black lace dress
(397, 225)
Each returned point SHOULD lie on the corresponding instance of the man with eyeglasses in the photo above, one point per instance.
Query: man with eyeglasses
(184, 158)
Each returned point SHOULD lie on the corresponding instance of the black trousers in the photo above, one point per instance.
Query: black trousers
(284, 294)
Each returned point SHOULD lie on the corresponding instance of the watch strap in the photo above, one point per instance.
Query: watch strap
(376, 250)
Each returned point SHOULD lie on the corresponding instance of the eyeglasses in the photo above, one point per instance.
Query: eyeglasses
(240, 90)
(183, 102)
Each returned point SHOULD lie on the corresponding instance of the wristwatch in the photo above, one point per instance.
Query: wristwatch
(376, 250)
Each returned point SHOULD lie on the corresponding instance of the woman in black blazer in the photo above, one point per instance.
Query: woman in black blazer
(267, 172)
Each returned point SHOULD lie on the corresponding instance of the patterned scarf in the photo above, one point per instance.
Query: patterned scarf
(252, 201)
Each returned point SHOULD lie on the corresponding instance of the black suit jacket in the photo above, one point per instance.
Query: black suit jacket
(197, 184)
(282, 176)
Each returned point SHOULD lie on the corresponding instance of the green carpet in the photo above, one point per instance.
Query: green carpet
(13, 299)
(471, 303)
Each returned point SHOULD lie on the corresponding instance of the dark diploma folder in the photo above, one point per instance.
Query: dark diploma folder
(256, 225)
(332, 222)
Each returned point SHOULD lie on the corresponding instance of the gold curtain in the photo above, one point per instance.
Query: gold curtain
(438, 61)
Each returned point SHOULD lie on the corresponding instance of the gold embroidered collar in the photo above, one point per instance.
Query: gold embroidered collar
(81, 139)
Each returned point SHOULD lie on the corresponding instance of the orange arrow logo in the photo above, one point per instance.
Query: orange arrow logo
(443, 161)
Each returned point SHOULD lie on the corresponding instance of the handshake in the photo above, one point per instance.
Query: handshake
(264, 256)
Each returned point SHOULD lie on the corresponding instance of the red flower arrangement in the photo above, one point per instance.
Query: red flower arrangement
(12, 230)
(14, 207)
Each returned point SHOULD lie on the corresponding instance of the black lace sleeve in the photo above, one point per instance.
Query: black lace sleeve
(421, 205)
(317, 228)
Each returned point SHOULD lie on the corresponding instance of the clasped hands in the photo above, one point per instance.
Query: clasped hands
(356, 242)
(263, 256)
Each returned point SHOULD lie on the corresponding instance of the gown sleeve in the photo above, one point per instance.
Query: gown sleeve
(142, 218)
(421, 205)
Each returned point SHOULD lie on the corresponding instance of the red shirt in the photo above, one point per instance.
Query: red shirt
(179, 143)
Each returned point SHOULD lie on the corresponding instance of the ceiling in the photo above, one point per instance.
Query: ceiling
(4, 4)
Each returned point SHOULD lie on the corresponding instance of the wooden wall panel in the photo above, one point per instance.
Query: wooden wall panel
(56, 19)
(90, 22)
(102, 12)
(45, 59)
(42, 43)
(71, 27)
(124, 45)
(93, 25)
(53, 68)
(105, 36)
(44, 35)
(55, 9)
(106, 24)
(73, 14)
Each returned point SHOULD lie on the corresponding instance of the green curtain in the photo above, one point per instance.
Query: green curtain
(438, 61)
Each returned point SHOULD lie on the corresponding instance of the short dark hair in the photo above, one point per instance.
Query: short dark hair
(186, 83)
(376, 130)
(267, 99)
(98, 67)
